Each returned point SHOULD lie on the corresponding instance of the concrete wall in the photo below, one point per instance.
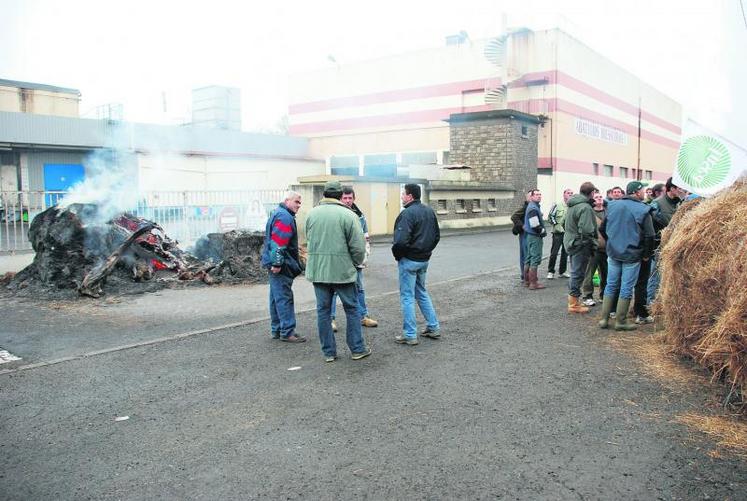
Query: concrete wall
(40, 102)
(198, 172)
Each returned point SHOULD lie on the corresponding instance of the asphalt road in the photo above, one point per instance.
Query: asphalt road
(516, 401)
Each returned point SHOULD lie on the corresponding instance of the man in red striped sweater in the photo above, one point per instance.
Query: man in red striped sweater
(280, 257)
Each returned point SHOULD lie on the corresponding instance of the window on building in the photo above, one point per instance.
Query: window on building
(609, 170)
(476, 205)
(491, 205)
(380, 165)
(344, 165)
(595, 169)
(649, 175)
(446, 158)
(624, 172)
(524, 131)
(459, 205)
(419, 158)
(441, 207)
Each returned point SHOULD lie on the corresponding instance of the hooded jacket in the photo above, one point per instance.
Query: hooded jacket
(580, 226)
(336, 246)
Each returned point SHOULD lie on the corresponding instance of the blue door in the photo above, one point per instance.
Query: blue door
(61, 177)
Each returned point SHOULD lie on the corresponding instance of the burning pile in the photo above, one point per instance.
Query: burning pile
(128, 253)
(703, 299)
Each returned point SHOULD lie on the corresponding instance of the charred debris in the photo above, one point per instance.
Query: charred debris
(127, 254)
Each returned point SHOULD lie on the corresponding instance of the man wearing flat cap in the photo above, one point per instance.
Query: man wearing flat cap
(629, 231)
(336, 248)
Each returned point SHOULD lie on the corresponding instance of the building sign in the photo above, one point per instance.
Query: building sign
(602, 132)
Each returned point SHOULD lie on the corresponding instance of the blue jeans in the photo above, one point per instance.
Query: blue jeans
(361, 297)
(349, 296)
(579, 263)
(621, 277)
(653, 280)
(522, 253)
(412, 288)
(282, 313)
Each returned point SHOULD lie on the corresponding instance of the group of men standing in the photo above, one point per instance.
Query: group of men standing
(337, 250)
(617, 238)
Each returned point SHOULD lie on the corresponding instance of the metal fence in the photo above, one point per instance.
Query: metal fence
(184, 215)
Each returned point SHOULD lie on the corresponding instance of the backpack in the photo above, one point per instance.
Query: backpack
(552, 216)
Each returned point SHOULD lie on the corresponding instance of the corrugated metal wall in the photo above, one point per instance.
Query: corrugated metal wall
(36, 161)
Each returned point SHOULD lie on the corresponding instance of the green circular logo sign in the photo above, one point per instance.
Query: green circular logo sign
(703, 161)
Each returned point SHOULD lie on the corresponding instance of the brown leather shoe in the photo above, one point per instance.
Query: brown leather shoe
(293, 339)
(369, 322)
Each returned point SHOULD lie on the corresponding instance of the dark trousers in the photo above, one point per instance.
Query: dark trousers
(579, 263)
(522, 253)
(641, 292)
(598, 262)
(348, 294)
(557, 245)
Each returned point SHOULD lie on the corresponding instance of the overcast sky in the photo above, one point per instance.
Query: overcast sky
(135, 52)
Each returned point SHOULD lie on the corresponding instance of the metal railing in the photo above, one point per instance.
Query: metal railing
(184, 215)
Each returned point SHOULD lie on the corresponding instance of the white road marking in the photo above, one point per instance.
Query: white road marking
(244, 323)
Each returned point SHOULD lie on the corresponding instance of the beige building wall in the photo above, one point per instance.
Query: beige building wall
(211, 173)
(361, 143)
(351, 110)
(40, 102)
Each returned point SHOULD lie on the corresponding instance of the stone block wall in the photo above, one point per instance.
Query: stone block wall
(500, 148)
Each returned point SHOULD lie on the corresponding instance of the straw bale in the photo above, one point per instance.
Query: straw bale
(703, 299)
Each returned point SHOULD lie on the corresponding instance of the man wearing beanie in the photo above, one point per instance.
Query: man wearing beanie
(336, 248)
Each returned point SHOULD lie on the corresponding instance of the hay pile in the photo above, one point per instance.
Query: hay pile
(703, 295)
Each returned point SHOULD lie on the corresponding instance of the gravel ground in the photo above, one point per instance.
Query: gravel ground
(516, 401)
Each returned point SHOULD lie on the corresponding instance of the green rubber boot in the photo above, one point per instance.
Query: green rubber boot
(621, 316)
(607, 304)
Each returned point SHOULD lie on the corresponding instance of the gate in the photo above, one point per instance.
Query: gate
(184, 215)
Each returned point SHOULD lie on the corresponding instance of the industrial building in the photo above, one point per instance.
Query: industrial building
(390, 116)
(190, 173)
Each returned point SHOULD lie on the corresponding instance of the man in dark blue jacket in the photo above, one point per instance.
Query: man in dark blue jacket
(280, 257)
(416, 234)
(629, 231)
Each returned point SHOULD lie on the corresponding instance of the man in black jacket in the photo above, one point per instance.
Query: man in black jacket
(416, 234)
(517, 218)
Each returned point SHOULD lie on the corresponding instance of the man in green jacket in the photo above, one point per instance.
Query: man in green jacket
(557, 216)
(580, 240)
(336, 247)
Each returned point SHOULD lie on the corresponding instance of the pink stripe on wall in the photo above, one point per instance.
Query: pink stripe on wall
(573, 109)
(586, 167)
(409, 118)
(570, 82)
(446, 89)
